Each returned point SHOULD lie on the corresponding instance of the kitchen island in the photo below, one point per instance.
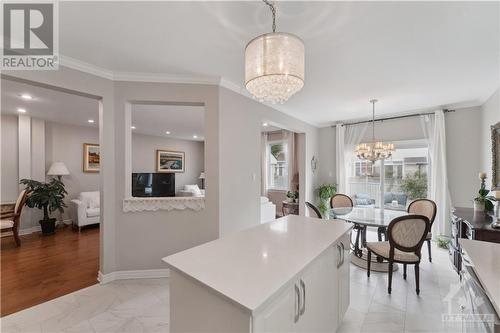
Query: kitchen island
(291, 274)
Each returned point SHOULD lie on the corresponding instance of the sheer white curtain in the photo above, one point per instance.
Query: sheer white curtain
(291, 157)
(263, 166)
(347, 137)
(433, 127)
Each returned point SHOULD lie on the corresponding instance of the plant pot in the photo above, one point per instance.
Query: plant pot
(48, 226)
(479, 206)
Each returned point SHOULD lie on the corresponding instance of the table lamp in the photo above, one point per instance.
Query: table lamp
(58, 169)
(202, 177)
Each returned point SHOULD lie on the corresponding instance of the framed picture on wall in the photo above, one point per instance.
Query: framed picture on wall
(170, 161)
(91, 157)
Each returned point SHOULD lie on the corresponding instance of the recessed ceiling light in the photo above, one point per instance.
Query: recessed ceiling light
(195, 136)
(26, 97)
(265, 124)
(21, 110)
(167, 132)
(132, 127)
(90, 121)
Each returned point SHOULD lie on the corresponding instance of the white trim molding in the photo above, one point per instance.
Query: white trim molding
(138, 274)
(166, 203)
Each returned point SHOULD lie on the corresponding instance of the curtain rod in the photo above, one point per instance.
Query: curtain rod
(395, 117)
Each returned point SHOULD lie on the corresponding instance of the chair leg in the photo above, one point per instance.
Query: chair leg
(404, 271)
(16, 237)
(417, 279)
(429, 248)
(389, 288)
(368, 263)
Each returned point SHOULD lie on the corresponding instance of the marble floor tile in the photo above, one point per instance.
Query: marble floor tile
(143, 305)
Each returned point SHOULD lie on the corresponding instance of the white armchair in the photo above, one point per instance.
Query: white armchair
(86, 209)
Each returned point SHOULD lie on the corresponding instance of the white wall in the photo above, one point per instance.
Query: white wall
(142, 239)
(463, 156)
(327, 150)
(144, 156)
(9, 159)
(490, 115)
(64, 143)
(241, 121)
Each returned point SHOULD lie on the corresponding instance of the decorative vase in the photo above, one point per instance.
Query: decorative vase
(479, 206)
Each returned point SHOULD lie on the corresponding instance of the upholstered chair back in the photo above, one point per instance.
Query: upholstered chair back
(407, 233)
(313, 210)
(340, 200)
(20, 202)
(423, 207)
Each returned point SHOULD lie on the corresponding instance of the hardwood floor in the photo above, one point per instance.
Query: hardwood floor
(46, 267)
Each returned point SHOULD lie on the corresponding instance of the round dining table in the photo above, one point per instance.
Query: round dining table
(363, 218)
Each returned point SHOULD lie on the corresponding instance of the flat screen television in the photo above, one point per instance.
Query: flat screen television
(153, 185)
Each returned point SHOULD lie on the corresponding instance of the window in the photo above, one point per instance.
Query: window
(405, 177)
(277, 165)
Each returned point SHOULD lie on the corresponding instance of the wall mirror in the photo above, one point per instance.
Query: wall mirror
(495, 147)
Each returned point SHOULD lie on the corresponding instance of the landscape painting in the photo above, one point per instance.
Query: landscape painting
(170, 161)
(91, 157)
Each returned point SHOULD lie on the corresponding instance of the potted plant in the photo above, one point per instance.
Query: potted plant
(47, 196)
(483, 202)
(325, 192)
(292, 196)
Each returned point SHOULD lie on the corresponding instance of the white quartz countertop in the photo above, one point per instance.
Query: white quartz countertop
(248, 267)
(485, 257)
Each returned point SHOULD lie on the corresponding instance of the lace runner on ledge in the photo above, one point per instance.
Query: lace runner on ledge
(169, 203)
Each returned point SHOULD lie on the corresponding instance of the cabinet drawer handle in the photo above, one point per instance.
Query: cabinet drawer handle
(297, 304)
(303, 286)
(343, 253)
(339, 260)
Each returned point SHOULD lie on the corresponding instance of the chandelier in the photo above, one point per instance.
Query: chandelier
(374, 150)
(274, 65)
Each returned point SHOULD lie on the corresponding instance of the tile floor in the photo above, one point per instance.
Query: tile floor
(142, 305)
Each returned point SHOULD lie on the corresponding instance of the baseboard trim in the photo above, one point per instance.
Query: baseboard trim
(139, 274)
(31, 230)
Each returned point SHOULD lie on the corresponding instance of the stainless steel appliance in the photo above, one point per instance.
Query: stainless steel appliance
(479, 315)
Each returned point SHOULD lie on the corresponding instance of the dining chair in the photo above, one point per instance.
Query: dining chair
(313, 210)
(10, 223)
(426, 208)
(340, 200)
(406, 235)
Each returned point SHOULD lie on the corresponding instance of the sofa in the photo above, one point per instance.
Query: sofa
(363, 200)
(86, 209)
(267, 210)
(190, 191)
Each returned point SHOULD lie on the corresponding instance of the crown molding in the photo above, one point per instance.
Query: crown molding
(134, 76)
(163, 78)
(85, 67)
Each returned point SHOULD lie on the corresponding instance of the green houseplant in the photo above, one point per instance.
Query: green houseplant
(46, 196)
(292, 195)
(483, 202)
(325, 192)
(415, 185)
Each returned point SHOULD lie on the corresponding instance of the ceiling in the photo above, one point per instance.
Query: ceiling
(183, 122)
(409, 55)
(48, 104)
(55, 106)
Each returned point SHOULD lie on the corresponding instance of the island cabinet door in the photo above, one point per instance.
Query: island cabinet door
(344, 275)
(319, 294)
(280, 314)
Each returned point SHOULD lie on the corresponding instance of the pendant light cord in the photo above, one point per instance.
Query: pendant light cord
(273, 12)
(373, 101)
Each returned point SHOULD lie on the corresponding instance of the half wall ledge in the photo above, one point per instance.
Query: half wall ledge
(168, 203)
